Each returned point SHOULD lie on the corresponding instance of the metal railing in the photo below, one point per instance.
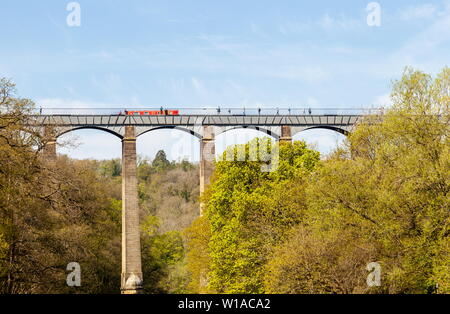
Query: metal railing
(214, 111)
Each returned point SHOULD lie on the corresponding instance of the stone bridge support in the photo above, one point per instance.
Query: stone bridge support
(49, 149)
(131, 244)
(207, 156)
(286, 134)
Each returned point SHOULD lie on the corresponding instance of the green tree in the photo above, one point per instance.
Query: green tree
(387, 194)
(198, 255)
(160, 162)
(111, 168)
(20, 193)
(249, 211)
(51, 214)
(161, 254)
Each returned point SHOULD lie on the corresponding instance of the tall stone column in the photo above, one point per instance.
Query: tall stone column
(49, 150)
(207, 155)
(131, 244)
(286, 136)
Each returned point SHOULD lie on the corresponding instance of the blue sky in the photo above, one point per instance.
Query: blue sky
(210, 53)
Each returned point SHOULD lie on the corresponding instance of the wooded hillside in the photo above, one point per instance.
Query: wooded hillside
(311, 226)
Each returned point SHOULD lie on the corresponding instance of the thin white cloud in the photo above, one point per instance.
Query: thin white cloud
(109, 83)
(310, 74)
(428, 41)
(326, 22)
(312, 102)
(423, 11)
(329, 22)
(61, 105)
(67, 103)
(199, 87)
(289, 27)
(382, 101)
(257, 30)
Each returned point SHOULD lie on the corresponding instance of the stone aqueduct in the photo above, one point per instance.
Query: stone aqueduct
(205, 127)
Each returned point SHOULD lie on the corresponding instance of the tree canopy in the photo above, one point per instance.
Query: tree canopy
(313, 226)
(298, 223)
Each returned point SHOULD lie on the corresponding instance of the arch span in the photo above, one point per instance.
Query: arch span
(250, 127)
(326, 127)
(172, 127)
(323, 140)
(92, 128)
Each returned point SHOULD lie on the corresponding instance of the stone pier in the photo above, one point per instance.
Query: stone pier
(286, 136)
(207, 155)
(49, 149)
(131, 245)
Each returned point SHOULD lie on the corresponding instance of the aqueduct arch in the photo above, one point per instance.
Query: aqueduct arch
(88, 127)
(268, 130)
(190, 131)
(343, 131)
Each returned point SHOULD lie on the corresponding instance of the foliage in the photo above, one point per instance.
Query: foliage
(309, 226)
(248, 212)
(161, 255)
(66, 211)
(170, 194)
(313, 227)
(160, 163)
(110, 168)
(386, 193)
(198, 255)
(310, 263)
